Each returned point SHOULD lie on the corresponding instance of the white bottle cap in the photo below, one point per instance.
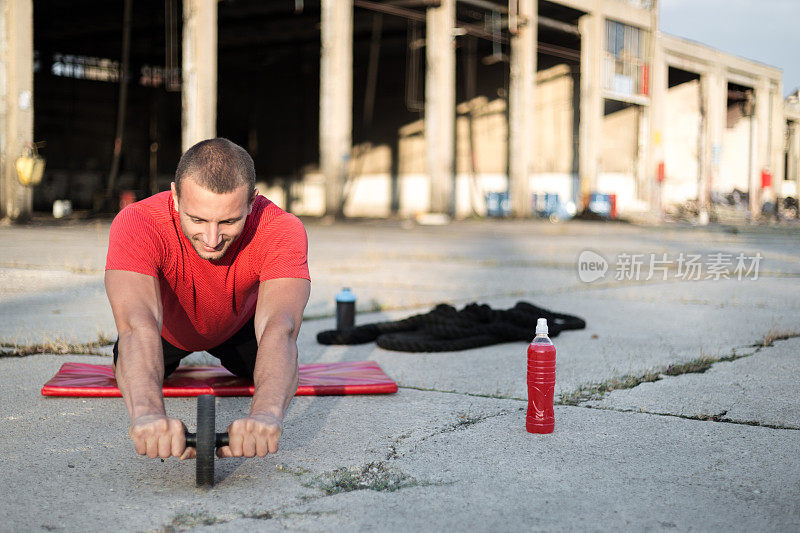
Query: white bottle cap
(541, 326)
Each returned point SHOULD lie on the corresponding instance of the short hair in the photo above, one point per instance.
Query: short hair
(217, 165)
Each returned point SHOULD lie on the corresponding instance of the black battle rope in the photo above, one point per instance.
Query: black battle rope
(445, 329)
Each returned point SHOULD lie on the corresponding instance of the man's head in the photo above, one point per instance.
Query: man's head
(213, 191)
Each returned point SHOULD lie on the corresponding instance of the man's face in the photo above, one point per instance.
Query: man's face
(209, 220)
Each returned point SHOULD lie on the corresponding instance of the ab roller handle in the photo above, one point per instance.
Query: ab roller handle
(206, 440)
(221, 439)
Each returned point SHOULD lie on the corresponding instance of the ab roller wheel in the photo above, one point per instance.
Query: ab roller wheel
(206, 440)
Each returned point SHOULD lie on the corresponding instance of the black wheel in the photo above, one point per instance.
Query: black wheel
(206, 440)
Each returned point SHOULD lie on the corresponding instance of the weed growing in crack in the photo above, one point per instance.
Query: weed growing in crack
(597, 391)
(712, 418)
(185, 521)
(774, 335)
(699, 365)
(465, 419)
(372, 476)
(393, 452)
(297, 471)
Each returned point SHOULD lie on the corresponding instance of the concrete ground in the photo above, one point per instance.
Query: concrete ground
(677, 406)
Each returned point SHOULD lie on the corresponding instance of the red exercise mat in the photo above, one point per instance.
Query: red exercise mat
(321, 379)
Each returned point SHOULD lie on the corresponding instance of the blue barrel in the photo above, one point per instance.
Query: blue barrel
(546, 205)
(497, 205)
(600, 204)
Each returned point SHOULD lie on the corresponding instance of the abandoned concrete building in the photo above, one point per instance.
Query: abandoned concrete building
(368, 108)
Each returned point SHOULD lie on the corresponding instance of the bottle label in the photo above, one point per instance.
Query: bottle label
(541, 385)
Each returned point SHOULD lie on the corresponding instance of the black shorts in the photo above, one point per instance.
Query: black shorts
(237, 354)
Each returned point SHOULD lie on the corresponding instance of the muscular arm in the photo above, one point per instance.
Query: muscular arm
(136, 303)
(279, 313)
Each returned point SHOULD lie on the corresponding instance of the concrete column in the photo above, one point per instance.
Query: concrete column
(793, 154)
(440, 105)
(760, 144)
(591, 107)
(777, 140)
(199, 70)
(642, 176)
(336, 100)
(16, 103)
(794, 159)
(645, 163)
(715, 102)
(658, 102)
(522, 89)
(792, 146)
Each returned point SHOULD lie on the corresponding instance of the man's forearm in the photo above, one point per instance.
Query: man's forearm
(275, 374)
(140, 372)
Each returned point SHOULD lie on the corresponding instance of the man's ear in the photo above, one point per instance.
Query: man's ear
(252, 201)
(174, 195)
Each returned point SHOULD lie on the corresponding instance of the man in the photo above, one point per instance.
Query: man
(211, 266)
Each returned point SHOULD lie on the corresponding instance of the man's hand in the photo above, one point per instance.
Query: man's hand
(159, 436)
(257, 434)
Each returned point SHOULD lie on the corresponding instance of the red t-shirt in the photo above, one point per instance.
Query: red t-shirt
(205, 302)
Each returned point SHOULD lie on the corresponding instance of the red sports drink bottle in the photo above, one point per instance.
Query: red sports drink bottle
(541, 381)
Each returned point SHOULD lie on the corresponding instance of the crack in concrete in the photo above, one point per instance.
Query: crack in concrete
(699, 366)
(186, 521)
(371, 476)
(393, 453)
(465, 421)
(719, 417)
(377, 476)
(597, 391)
(460, 393)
